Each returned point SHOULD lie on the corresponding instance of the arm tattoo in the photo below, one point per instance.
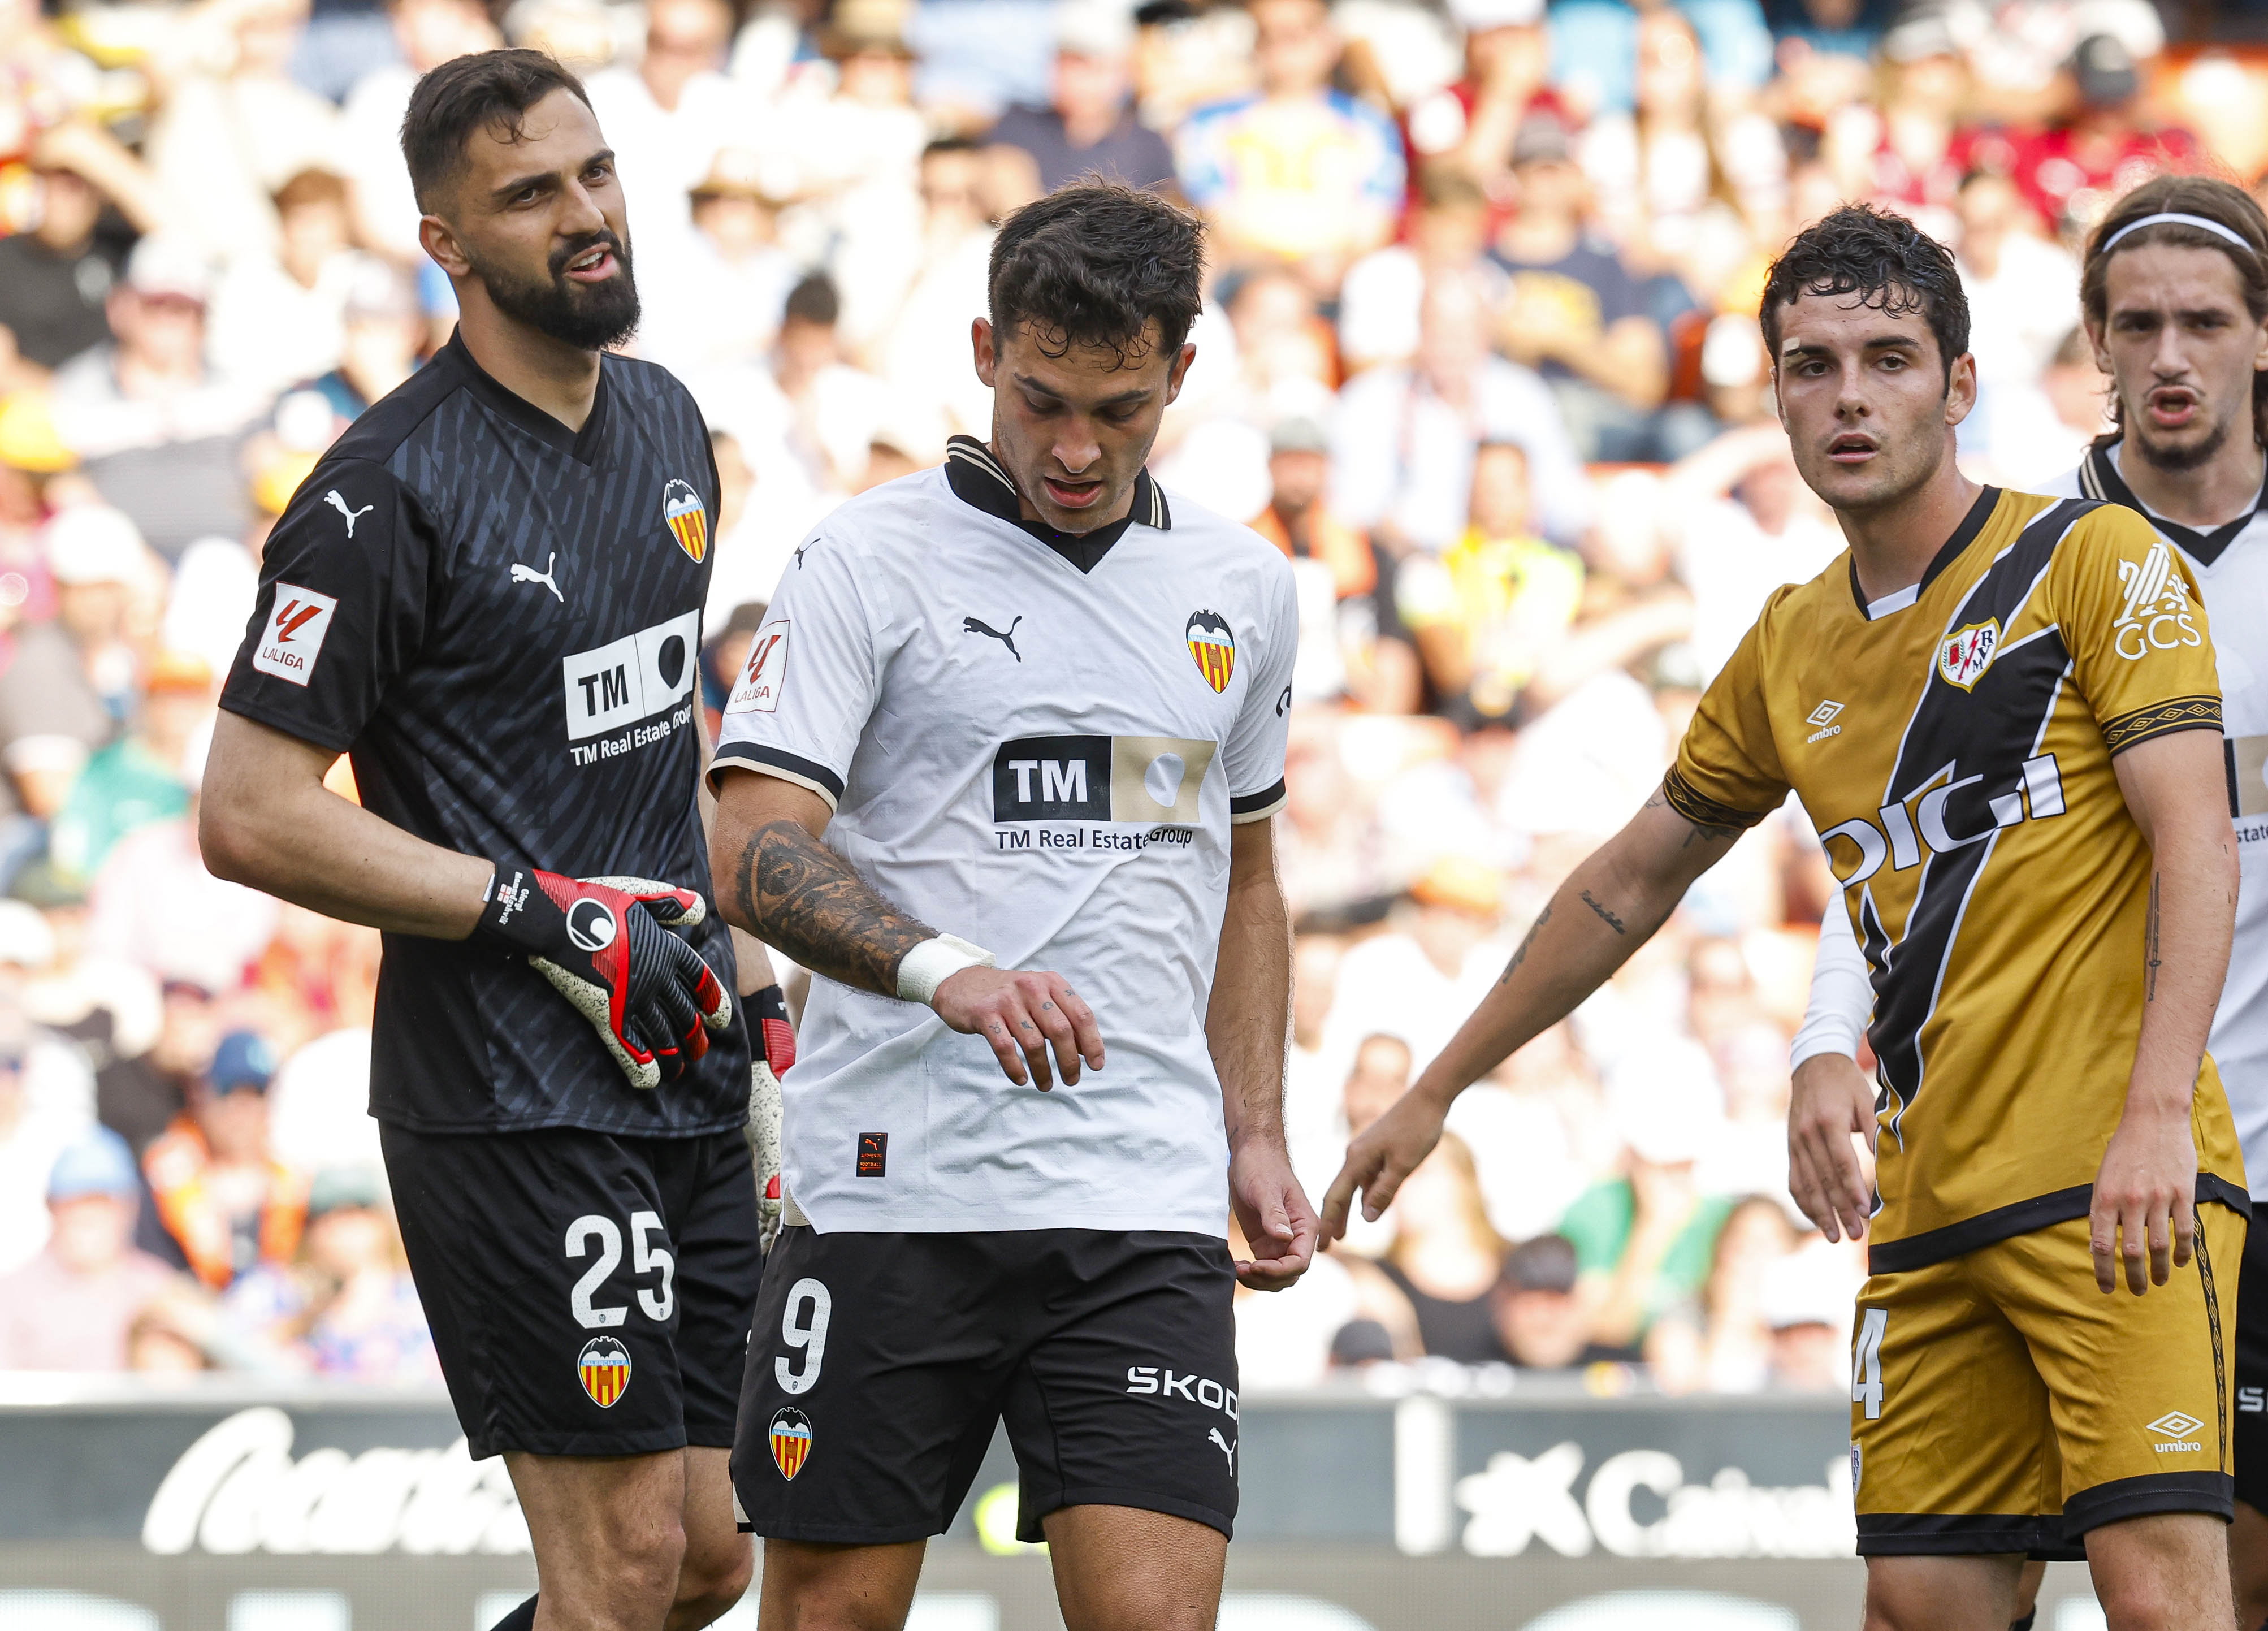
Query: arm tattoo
(2151, 960)
(1699, 832)
(1605, 916)
(803, 897)
(1521, 956)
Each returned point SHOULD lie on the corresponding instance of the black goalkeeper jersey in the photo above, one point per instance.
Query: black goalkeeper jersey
(500, 619)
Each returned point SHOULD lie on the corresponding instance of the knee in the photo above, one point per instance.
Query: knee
(709, 1581)
(2142, 1605)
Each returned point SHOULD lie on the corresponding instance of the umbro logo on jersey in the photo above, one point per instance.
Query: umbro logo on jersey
(1823, 717)
(1006, 636)
(1153, 780)
(528, 574)
(1212, 646)
(688, 519)
(294, 637)
(2174, 1427)
(340, 504)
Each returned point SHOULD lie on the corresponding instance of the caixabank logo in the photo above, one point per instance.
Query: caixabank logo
(1043, 782)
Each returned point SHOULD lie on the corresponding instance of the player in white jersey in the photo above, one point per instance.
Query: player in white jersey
(1031, 700)
(2174, 293)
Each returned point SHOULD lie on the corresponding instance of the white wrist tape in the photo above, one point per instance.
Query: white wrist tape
(930, 965)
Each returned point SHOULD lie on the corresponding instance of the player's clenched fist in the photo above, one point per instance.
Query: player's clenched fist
(1023, 1015)
(1384, 1152)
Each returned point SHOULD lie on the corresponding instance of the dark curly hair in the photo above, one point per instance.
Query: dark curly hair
(487, 89)
(1886, 260)
(1095, 263)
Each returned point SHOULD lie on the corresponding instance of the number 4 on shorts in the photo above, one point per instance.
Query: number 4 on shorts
(1866, 1362)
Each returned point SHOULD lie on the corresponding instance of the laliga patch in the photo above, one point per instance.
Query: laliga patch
(791, 1441)
(604, 1368)
(764, 672)
(1968, 652)
(1212, 646)
(292, 637)
(688, 519)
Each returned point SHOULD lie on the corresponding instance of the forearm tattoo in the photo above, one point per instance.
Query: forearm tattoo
(799, 895)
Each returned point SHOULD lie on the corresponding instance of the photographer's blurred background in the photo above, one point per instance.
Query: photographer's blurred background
(1480, 355)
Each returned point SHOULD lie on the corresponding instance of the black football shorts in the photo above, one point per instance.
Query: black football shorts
(2248, 1426)
(881, 1363)
(589, 1294)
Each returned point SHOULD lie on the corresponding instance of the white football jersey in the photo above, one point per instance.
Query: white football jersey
(1038, 743)
(2231, 563)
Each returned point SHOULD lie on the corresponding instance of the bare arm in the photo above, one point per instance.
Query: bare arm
(752, 964)
(1247, 1023)
(2175, 788)
(267, 821)
(1608, 908)
(776, 877)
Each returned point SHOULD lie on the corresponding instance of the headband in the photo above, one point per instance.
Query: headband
(2214, 227)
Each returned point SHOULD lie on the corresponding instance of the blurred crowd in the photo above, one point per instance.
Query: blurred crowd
(1479, 354)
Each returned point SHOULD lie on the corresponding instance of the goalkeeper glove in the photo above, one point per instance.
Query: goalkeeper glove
(774, 1052)
(605, 943)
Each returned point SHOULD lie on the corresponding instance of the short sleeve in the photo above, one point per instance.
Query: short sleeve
(1255, 756)
(2141, 651)
(344, 583)
(810, 681)
(1729, 772)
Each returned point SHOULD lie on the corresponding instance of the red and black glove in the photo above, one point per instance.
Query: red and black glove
(605, 943)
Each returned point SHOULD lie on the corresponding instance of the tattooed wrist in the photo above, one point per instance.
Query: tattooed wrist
(794, 892)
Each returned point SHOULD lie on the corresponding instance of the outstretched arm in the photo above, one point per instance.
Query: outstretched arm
(1608, 908)
(2146, 1191)
(776, 877)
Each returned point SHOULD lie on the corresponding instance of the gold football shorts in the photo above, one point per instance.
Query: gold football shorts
(2000, 1403)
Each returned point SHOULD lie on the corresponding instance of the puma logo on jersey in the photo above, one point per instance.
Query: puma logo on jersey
(528, 574)
(1007, 636)
(340, 504)
(1226, 1449)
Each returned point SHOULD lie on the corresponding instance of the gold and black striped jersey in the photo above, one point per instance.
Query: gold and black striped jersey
(1953, 743)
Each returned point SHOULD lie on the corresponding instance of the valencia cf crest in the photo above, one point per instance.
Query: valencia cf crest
(604, 1366)
(791, 1440)
(1213, 647)
(688, 520)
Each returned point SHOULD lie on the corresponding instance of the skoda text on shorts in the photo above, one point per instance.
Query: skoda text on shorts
(999, 769)
(2026, 815)
(489, 594)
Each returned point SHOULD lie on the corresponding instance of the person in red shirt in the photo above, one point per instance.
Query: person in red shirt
(1471, 122)
(2071, 172)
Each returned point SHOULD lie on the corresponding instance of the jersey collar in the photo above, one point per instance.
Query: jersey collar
(1963, 535)
(978, 481)
(2099, 478)
(581, 445)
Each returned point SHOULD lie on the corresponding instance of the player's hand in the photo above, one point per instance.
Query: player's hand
(1387, 1151)
(1278, 1223)
(1830, 1100)
(2145, 1197)
(1024, 1014)
(605, 944)
(775, 1051)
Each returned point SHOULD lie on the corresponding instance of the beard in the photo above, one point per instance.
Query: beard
(591, 317)
(2175, 460)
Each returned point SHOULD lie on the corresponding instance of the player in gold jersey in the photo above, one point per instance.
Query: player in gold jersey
(2001, 713)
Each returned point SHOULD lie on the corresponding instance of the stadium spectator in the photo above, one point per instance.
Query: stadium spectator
(717, 296)
(136, 779)
(1404, 437)
(382, 336)
(1089, 124)
(1722, 1342)
(282, 319)
(1445, 1257)
(2070, 171)
(71, 1307)
(1382, 293)
(154, 420)
(345, 1306)
(1467, 124)
(55, 278)
(1540, 1322)
(1420, 979)
(666, 116)
(1294, 172)
(224, 1199)
(925, 354)
(37, 1123)
(426, 34)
